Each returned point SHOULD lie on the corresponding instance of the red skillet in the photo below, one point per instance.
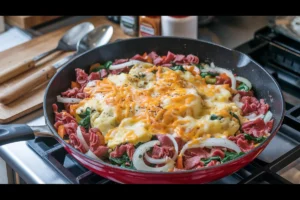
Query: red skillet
(263, 83)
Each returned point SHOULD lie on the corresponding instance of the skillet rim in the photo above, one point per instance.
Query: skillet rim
(272, 134)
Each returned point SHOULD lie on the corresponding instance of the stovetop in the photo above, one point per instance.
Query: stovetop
(279, 163)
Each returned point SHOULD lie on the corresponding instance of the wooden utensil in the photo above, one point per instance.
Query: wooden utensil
(67, 43)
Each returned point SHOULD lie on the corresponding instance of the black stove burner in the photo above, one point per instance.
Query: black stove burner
(279, 163)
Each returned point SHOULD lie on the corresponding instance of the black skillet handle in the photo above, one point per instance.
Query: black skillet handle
(15, 133)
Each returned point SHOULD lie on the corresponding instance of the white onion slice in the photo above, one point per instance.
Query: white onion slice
(236, 100)
(253, 116)
(126, 64)
(165, 159)
(138, 161)
(212, 65)
(67, 100)
(219, 142)
(91, 155)
(222, 70)
(268, 116)
(91, 84)
(244, 80)
(81, 138)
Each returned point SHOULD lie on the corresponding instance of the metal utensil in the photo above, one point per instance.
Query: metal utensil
(67, 43)
(97, 37)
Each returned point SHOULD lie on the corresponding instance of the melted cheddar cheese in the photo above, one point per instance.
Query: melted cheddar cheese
(153, 100)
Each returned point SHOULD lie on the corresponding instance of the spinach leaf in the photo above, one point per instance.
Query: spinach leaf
(207, 160)
(256, 140)
(86, 113)
(85, 118)
(231, 156)
(235, 116)
(178, 67)
(108, 64)
(214, 117)
(243, 87)
(122, 161)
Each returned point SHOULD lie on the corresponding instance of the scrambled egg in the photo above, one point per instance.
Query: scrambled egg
(152, 99)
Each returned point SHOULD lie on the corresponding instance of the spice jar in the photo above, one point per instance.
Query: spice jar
(149, 26)
(130, 24)
(180, 26)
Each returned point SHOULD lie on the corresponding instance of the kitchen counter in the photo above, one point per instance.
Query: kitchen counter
(227, 31)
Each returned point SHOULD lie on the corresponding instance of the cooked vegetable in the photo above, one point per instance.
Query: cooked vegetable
(251, 138)
(243, 87)
(245, 81)
(211, 142)
(123, 161)
(268, 116)
(75, 85)
(138, 161)
(108, 64)
(215, 117)
(81, 138)
(164, 160)
(85, 122)
(231, 156)
(210, 80)
(61, 131)
(178, 67)
(207, 160)
(67, 100)
(126, 64)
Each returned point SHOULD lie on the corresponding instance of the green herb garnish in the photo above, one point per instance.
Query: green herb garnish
(214, 117)
(256, 140)
(231, 156)
(243, 87)
(85, 118)
(235, 116)
(108, 64)
(207, 160)
(204, 74)
(122, 161)
(178, 67)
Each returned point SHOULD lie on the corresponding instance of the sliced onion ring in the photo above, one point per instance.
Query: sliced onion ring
(126, 64)
(268, 116)
(253, 116)
(67, 100)
(92, 155)
(81, 138)
(245, 81)
(218, 142)
(138, 159)
(236, 100)
(165, 159)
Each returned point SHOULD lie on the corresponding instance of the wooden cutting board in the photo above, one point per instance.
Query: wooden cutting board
(25, 22)
(34, 99)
